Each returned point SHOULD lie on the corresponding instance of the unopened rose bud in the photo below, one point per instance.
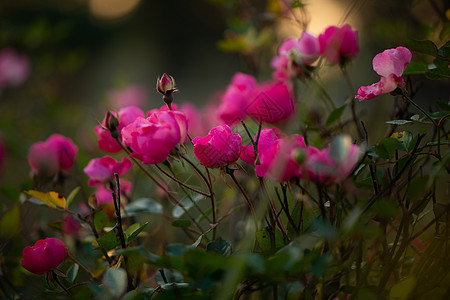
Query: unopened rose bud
(111, 123)
(165, 84)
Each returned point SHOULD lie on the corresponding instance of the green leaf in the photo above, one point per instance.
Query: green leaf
(177, 249)
(101, 220)
(399, 122)
(73, 272)
(386, 148)
(141, 293)
(417, 188)
(405, 139)
(425, 46)
(438, 73)
(340, 147)
(109, 240)
(72, 196)
(181, 223)
(416, 68)
(10, 222)
(264, 239)
(168, 276)
(148, 257)
(443, 106)
(220, 246)
(402, 289)
(177, 211)
(115, 281)
(134, 230)
(335, 115)
(143, 206)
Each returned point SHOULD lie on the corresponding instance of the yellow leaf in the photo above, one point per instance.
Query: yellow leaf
(52, 199)
(402, 289)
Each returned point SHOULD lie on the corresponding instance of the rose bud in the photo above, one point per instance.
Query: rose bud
(44, 256)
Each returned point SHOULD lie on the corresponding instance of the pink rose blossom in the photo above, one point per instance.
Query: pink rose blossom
(126, 115)
(219, 148)
(293, 53)
(236, 97)
(44, 256)
(338, 44)
(390, 65)
(101, 170)
(266, 138)
(272, 103)
(56, 154)
(14, 68)
(132, 95)
(277, 161)
(151, 139)
(104, 195)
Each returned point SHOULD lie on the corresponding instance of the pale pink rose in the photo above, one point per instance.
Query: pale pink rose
(321, 167)
(132, 95)
(234, 101)
(390, 64)
(219, 148)
(338, 44)
(56, 154)
(101, 170)
(151, 139)
(14, 68)
(272, 103)
(126, 115)
(295, 53)
(266, 138)
(44, 256)
(277, 161)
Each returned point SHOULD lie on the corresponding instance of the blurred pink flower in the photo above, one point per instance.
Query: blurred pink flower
(151, 139)
(194, 119)
(132, 95)
(219, 148)
(126, 115)
(56, 154)
(101, 170)
(235, 99)
(277, 162)
(14, 68)
(70, 226)
(272, 103)
(266, 138)
(104, 195)
(390, 65)
(338, 44)
(44, 256)
(295, 53)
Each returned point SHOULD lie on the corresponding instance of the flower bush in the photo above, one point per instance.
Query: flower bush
(283, 186)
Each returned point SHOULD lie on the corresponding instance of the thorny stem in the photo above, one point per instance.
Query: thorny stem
(116, 198)
(55, 277)
(75, 260)
(213, 204)
(352, 101)
(324, 92)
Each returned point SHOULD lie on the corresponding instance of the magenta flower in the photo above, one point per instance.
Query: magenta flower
(104, 195)
(195, 119)
(236, 97)
(390, 65)
(219, 148)
(294, 54)
(14, 68)
(337, 44)
(56, 154)
(151, 139)
(277, 162)
(101, 170)
(44, 256)
(126, 115)
(273, 102)
(266, 138)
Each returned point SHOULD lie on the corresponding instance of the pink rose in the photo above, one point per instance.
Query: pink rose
(266, 138)
(219, 148)
(293, 53)
(338, 44)
(277, 161)
(151, 139)
(194, 119)
(126, 115)
(272, 103)
(390, 65)
(104, 195)
(236, 97)
(44, 256)
(101, 170)
(14, 68)
(56, 154)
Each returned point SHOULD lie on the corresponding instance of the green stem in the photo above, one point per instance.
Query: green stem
(181, 183)
(352, 101)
